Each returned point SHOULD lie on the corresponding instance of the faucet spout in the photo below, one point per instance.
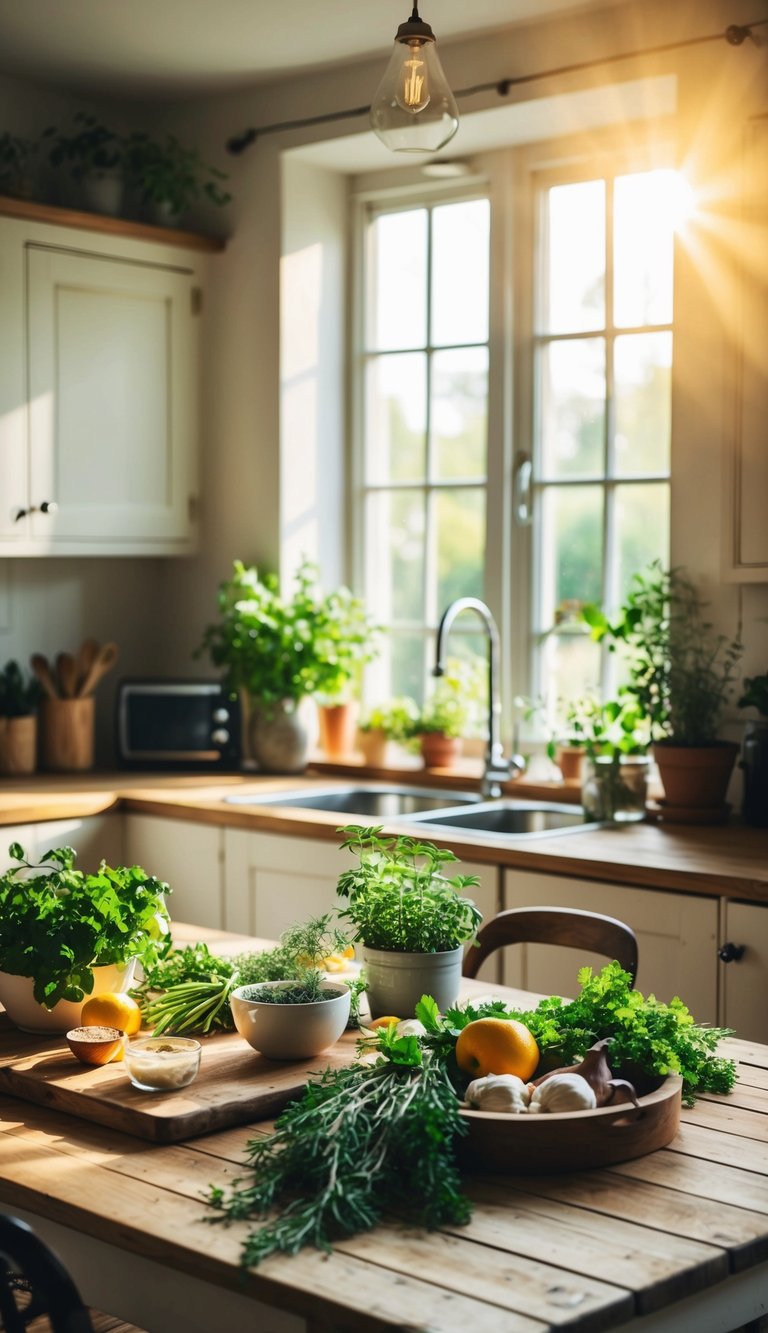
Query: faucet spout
(497, 767)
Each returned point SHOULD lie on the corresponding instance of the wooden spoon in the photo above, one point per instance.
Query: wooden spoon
(86, 656)
(41, 669)
(104, 661)
(66, 671)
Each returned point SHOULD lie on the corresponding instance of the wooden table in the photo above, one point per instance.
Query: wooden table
(674, 1240)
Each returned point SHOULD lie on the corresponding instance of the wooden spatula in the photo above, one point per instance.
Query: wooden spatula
(86, 656)
(104, 662)
(66, 672)
(42, 670)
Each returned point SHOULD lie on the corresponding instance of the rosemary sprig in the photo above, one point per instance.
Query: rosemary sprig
(348, 1152)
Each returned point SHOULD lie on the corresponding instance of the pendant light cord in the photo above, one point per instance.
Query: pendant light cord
(734, 35)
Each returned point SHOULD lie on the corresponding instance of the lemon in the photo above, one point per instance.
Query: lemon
(112, 1010)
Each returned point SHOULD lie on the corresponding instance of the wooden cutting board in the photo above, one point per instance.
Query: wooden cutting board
(235, 1085)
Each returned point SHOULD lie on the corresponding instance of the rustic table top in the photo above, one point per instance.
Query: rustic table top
(676, 1233)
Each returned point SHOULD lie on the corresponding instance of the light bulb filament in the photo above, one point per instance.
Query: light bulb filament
(414, 91)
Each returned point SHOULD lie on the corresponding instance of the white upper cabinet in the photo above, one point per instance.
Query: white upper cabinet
(98, 393)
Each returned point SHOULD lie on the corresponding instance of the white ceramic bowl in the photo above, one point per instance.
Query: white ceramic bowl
(290, 1031)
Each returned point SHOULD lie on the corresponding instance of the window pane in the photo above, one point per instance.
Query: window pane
(570, 671)
(460, 543)
(571, 548)
(642, 373)
(643, 221)
(396, 418)
(573, 408)
(407, 665)
(460, 272)
(642, 528)
(397, 305)
(459, 415)
(573, 296)
(394, 535)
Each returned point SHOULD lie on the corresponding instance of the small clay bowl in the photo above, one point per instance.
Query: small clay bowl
(96, 1045)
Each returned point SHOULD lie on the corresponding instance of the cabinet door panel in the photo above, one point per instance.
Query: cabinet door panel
(13, 395)
(25, 835)
(272, 882)
(676, 937)
(95, 838)
(189, 857)
(111, 426)
(745, 981)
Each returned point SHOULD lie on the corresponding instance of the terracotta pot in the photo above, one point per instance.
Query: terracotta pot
(439, 751)
(695, 777)
(18, 744)
(570, 761)
(338, 729)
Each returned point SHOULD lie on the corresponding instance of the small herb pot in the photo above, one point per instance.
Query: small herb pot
(289, 1031)
(395, 982)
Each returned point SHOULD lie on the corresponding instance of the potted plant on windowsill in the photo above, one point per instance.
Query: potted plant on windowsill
(412, 921)
(280, 652)
(615, 783)
(681, 676)
(567, 747)
(384, 725)
(18, 720)
(350, 643)
(65, 935)
(448, 712)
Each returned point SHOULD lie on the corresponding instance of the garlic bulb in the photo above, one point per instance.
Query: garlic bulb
(498, 1092)
(563, 1092)
(410, 1027)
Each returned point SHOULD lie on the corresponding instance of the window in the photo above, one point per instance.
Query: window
(424, 381)
(600, 340)
(602, 388)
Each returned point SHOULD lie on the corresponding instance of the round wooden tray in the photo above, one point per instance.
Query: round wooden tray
(547, 1144)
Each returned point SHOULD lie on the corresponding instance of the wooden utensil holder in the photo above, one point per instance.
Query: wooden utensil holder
(18, 744)
(67, 734)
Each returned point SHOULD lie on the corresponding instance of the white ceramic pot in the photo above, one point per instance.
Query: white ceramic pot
(395, 982)
(16, 995)
(282, 734)
(290, 1031)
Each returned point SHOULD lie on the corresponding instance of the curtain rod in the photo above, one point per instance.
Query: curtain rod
(735, 35)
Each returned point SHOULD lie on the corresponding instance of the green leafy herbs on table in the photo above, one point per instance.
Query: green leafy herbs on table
(361, 1142)
(57, 923)
(399, 900)
(380, 1138)
(188, 991)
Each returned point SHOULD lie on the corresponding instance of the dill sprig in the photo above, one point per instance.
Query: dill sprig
(362, 1141)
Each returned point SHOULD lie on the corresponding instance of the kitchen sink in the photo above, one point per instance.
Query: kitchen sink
(379, 801)
(510, 818)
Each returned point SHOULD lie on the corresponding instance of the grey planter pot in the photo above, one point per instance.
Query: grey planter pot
(281, 736)
(395, 982)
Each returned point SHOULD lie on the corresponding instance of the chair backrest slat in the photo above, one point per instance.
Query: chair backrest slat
(568, 926)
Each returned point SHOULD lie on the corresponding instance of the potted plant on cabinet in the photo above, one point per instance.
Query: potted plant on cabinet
(170, 177)
(681, 675)
(280, 652)
(384, 724)
(18, 720)
(412, 921)
(16, 157)
(65, 935)
(754, 761)
(96, 158)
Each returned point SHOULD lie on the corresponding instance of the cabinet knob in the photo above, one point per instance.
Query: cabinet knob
(731, 953)
(47, 507)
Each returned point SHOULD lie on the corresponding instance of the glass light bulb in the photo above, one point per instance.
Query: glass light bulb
(413, 110)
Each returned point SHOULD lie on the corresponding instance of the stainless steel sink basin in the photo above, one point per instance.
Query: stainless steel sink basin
(510, 818)
(377, 800)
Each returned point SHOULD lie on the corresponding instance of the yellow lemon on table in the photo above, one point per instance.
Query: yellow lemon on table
(497, 1046)
(386, 1021)
(112, 1010)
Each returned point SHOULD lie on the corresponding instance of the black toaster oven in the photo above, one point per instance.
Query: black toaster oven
(177, 724)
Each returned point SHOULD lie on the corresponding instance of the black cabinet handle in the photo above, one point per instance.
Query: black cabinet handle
(731, 953)
(47, 507)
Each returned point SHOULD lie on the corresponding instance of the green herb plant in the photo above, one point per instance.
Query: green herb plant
(168, 173)
(397, 718)
(399, 900)
(16, 157)
(19, 695)
(57, 923)
(278, 647)
(188, 991)
(90, 148)
(681, 672)
(456, 700)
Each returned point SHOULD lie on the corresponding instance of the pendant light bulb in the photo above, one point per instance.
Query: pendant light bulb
(414, 110)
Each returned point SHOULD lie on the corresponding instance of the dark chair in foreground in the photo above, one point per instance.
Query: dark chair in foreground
(34, 1283)
(567, 926)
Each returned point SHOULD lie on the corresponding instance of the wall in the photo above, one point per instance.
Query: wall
(252, 506)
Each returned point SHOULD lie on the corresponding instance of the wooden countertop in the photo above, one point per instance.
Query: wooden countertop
(680, 1234)
(729, 860)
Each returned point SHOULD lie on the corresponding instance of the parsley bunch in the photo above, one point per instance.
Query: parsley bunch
(57, 923)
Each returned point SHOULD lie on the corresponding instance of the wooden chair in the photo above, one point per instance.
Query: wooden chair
(568, 926)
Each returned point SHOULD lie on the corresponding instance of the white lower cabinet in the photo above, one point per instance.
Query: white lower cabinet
(272, 882)
(95, 838)
(677, 936)
(744, 977)
(189, 857)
